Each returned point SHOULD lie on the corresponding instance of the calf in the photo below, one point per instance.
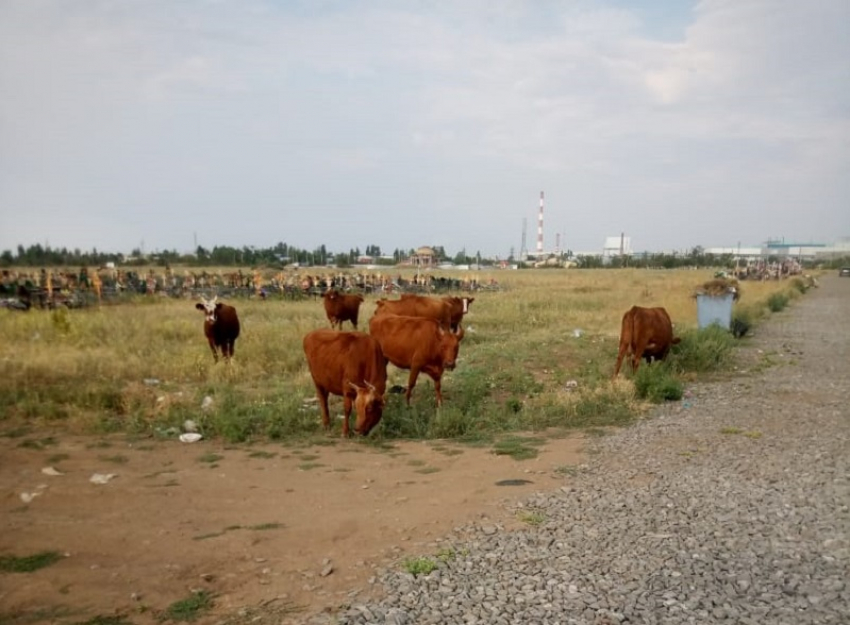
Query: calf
(417, 306)
(221, 326)
(645, 333)
(340, 307)
(349, 364)
(418, 344)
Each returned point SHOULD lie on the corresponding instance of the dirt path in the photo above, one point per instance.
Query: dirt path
(252, 525)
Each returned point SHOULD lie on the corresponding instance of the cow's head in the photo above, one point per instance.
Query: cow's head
(368, 406)
(330, 295)
(449, 346)
(210, 308)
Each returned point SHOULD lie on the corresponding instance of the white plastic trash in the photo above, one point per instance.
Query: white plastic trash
(190, 437)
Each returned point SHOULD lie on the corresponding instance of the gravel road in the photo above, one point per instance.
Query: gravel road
(728, 507)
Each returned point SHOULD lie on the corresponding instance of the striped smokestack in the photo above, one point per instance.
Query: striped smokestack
(540, 228)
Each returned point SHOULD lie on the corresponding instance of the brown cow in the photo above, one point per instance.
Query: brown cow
(418, 344)
(645, 333)
(349, 364)
(458, 306)
(221, 326)
(417, 306)
(340, 307)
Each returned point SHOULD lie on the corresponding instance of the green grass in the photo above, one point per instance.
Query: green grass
(262, 454)
(531, 518)
(210, 458)
(117, 459)
(88, 371)
(190, 608)
(658, 383)
(777, 302)
(118, 619)
(28, 564)
(518, 447)
(419, 566)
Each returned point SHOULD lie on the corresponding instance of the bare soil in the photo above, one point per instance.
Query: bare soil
(253, 525)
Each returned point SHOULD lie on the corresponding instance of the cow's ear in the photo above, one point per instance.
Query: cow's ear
(459, 332)
(199, 306)
(218, 306)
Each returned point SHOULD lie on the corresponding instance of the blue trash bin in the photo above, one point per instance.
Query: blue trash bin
(715, 309)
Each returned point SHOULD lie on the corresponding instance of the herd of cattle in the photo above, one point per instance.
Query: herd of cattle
(419, 333)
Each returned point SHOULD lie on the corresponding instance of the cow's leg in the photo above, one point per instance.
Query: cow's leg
(346, 412)
(213, 348)
(624, 348)
(637, 353)
(323, 406)
(438, 389)
(411, 381)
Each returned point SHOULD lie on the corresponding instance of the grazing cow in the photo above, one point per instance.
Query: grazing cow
(645, 333)
(458, 306)
(340, 307)
(221, 326)
(349, 364)
(418, 344)
(417, 306)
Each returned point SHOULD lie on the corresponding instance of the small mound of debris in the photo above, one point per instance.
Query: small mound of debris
(719, 286)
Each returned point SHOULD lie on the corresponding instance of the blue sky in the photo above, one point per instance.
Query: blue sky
(402, 124)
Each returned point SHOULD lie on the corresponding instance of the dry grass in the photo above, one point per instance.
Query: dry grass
(145, 366)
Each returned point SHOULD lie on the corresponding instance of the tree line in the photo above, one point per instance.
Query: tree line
(283, 254)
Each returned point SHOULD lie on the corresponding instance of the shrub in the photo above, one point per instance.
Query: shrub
(704, 350)
(657, 383)
(777, 301)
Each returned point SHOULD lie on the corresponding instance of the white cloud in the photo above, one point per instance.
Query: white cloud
(463, 110)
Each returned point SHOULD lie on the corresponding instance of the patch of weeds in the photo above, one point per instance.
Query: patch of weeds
(265, 526)
(657, 384)
(117, 459)
(417, 463)
(731, 430)
(531, 518)
(419, 566)
(517, 447)
(704, 350)
(595, 432)
(754, 434)
(341, 469)
(308, 457)
(262, 454)
(427, 470)
(451, 452)
(145, 448)
(210, 458)
(118, 619)
(99, 445)
(190, 608)
(167, 484)
(210, 535)
(446, 554)
(686, 454)
(17, 432)
(158, 473)
(566, 469)
(32, 443)
(777, 302)
(309, 466)
(57, 458)
(28, 564)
